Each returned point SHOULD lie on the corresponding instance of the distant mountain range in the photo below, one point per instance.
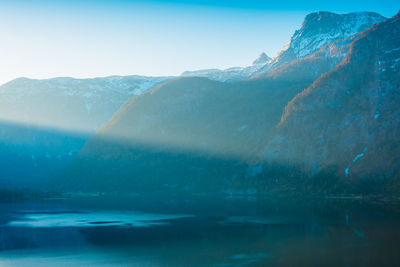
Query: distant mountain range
(44, 123)
(199, 135)
(232, 74)
(81, 105)
(316, 117)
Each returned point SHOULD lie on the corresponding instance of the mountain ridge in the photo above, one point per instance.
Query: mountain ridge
(349, 116)
(319, 29)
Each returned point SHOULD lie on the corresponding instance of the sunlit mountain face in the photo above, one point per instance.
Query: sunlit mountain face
(290, 159)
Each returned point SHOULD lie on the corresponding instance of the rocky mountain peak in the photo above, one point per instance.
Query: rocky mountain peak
(322, 28)
(262, 59)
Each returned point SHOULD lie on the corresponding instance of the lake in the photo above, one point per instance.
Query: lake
(210, 231)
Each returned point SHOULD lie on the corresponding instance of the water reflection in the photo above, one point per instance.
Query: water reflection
(91, 219)
(216, 232)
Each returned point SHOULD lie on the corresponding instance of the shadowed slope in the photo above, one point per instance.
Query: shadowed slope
(348, 120)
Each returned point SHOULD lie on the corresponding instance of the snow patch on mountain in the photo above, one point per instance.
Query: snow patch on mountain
(68, 102)
(320, 29)
(230, 74)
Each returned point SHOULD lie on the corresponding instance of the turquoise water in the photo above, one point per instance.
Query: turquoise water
(138, 231)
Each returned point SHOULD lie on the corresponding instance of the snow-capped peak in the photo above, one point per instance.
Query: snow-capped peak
(321, 28)
(317, 30)
(262, 59)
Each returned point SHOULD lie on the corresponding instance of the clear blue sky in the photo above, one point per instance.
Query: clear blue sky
(41, 39)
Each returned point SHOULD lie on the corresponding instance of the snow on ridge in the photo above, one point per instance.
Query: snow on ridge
(22, 96)
(322, 28)
(231, 74)
(86, 88)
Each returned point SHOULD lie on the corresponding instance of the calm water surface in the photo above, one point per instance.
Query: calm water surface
(139, 231)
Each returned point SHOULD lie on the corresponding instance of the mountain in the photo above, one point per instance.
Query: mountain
(195, 133)
(320, 29)
(233, 131)
(187, 133)
(312, 66)
(231, 74)
(44, 123)
(262, 59)
(346, 123)
(82, 105)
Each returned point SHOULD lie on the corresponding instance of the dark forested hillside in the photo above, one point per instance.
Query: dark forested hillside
(347, 122)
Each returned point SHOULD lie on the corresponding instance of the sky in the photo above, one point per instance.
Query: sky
(44, 39)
